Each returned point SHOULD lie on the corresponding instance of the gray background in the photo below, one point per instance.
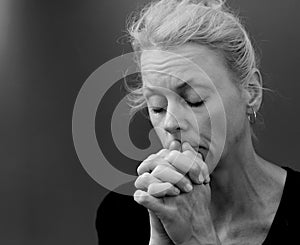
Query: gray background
(47, 51)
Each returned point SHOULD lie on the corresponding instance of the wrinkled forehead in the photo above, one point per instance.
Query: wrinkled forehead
(165, 61)
(158, 65)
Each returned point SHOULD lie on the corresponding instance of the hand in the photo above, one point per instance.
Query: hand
(172, 167)
(152, 183)
(158, 234)
(185, 218)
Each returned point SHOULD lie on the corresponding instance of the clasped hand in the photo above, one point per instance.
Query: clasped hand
(174, 187)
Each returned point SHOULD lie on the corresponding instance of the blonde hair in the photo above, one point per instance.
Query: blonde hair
(170, 23)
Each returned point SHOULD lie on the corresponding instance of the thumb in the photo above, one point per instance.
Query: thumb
(187, 147)
(157, 230)
(175, 145)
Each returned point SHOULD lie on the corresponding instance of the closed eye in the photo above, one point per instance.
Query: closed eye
(195, 104)
(157, 110)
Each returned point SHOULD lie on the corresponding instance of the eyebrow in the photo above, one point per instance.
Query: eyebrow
(189, 84)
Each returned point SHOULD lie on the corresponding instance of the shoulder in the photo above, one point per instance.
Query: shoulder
(290, 201)
(291, 184)
(284, 229)
(292, 174)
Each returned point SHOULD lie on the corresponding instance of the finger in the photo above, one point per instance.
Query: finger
(163, 189)
(187, 164)
(167, 173)
(150, 202)
(198, 159)
(149, 165)
(143, 166)
(189, 151)
(162, 152)
(144, 180)
(175, 145)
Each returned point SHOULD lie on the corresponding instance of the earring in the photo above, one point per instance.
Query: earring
(252, 116)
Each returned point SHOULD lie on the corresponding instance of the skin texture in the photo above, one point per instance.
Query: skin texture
(237, 203)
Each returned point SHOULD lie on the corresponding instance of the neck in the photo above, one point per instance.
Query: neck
(243, 186)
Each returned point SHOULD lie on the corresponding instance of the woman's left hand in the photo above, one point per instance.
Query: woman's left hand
(186, 217)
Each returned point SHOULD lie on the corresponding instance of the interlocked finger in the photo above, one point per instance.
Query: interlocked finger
(144, 180)
(149, 165)
(162, 190)
(167, 173)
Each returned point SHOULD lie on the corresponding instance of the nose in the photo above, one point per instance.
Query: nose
(173, 122)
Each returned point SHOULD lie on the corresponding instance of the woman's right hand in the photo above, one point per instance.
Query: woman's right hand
(168, 182)
(158, 235)
(186, 218)
(169, 172)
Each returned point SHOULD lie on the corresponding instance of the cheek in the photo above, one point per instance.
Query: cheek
(201, 125)
(156, 122)
(236, 124)
(236, 116)
(216, 126)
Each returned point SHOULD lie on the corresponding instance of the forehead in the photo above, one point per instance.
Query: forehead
(182, 64)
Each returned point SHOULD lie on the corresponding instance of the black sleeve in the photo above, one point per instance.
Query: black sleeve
(120, 220)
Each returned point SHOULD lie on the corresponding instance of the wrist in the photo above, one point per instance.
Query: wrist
(199, 243)
(159, 239)
(160, 242)
(215, 241)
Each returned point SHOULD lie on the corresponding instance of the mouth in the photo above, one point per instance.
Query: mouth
(199, 149)
(202, 150)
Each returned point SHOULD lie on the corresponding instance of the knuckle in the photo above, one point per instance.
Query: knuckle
(141, 181)
(144, 177)
(145, 165)
(195, 168)
(152, 189)
(143, 199)
(162, 152)
(150, 157)
(167, 186)
(140, 169)
(184, 181)
(173, 154)
(158, 169)
(204, 165)
(136, 183)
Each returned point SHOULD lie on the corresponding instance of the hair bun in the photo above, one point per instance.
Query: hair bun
(215, 4)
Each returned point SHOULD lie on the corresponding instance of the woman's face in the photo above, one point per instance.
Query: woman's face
(181, 100)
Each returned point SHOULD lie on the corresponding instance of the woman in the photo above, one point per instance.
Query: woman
(202, 189)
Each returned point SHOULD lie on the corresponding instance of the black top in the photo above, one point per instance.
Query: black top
(120, 220)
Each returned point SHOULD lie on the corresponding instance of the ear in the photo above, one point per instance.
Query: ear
(254, 91)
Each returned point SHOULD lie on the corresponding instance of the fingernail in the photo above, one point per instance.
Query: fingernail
(177, 191)
(201, 179)
(175, 145)
(186, 146)
(208, 179)
(188, 188)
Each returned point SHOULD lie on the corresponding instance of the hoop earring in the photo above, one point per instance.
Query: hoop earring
(252, 116)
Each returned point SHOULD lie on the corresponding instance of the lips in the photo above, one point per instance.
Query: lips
(202, 150)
